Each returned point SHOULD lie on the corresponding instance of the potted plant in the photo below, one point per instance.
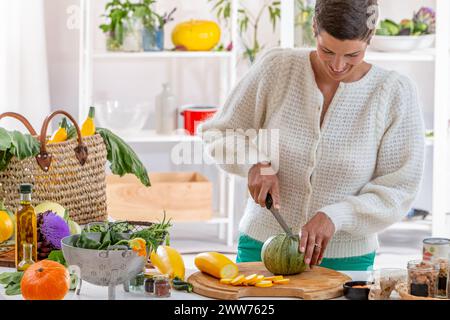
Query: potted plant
(153, 25)
(304, 21)
(123, 27)
(248, 20)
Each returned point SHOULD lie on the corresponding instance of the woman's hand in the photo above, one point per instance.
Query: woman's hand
(315, 237)
(262, 180)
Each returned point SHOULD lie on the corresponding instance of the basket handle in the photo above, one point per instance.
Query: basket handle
(22, 119)
(44, 159)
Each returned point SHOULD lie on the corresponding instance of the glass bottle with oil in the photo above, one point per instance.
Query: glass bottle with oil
(26, 225)
(27, 257)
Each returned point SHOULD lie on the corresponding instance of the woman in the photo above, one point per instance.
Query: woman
(350, 145)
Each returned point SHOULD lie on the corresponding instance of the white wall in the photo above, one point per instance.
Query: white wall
(196, 81)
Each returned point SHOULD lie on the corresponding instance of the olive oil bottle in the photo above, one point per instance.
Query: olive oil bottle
(26, 225)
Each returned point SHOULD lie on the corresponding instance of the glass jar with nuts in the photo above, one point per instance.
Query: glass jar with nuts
(422, 278)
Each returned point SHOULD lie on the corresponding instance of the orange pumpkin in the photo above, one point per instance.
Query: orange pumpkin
(45, 280)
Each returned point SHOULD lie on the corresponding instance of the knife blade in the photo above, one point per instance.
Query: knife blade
(277, 215)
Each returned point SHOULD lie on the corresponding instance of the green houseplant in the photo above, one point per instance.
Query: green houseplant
(304, 21)
(153, 25)
(117, 12)
(248, 20)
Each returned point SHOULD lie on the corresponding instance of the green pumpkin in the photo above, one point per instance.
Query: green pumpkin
(281, 256)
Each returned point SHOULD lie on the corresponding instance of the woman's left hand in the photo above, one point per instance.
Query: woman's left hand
(315, 236)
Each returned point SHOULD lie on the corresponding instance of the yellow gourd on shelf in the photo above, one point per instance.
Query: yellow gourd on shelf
(88, 127)
(216, 265)
(196, 35)
(60, 135)
(168, 261)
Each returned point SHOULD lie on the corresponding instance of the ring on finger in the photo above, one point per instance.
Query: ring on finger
(317, 246)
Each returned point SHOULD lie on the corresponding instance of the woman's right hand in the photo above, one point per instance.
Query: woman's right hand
(262, 179)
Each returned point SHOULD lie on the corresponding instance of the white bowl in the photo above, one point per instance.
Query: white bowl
(125, 119)
(401, 43)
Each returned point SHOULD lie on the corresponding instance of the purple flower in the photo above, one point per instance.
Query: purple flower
(54, 228)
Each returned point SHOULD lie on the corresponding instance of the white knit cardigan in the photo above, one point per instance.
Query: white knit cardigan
(362, 168)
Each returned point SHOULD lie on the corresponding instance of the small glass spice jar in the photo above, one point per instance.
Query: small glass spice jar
(137, 283)
(150, 283)
(422, 278)
(162, 286)
(442, 283)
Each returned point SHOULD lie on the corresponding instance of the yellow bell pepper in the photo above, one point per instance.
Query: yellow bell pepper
(168, 261)
(196, 35)
(60, 135)
(216, 265)
(88, 127)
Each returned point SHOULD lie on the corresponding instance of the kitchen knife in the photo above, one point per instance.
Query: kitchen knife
(277, 215)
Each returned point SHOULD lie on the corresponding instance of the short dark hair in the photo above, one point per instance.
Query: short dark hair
(345, 19)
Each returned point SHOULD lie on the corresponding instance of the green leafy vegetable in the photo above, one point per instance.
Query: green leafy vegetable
(123, 159)
(156, 234)
(58, 256)
(87, 243)
(11, 282)
(16, 144)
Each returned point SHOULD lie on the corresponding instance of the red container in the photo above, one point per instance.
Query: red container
(195, 115)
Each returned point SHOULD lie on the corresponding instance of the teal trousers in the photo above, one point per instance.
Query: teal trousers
(249, 250)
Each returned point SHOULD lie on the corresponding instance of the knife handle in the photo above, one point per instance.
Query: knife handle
(269, 201)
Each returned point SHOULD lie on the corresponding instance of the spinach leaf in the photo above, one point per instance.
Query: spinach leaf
(13, 289)
(86, 243)
(123, 159)
(105, 245)
(11, 281)
(57, 255)
(117, 237)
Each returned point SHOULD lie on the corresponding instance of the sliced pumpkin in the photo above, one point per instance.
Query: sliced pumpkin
(282, 281)
(225, 281)
(238, 280)
(264, 284)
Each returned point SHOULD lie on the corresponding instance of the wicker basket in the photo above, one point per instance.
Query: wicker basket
(71, 173)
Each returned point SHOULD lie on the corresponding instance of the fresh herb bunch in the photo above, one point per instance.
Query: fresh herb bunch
(246, 19)
(121, 227)
(115, 233)
(144, 11)
(156, 234)
(150, 18)
(117, 11)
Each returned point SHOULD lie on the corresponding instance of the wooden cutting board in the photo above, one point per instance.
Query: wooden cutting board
(315, 284)
(7, 257)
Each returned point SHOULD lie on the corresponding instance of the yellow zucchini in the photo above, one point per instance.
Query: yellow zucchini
(216, 265)
(264, 284)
